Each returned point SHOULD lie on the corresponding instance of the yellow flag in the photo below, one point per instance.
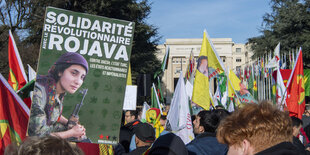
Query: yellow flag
(235, 84)
(129, 81)
(214, 62)
(201, 94)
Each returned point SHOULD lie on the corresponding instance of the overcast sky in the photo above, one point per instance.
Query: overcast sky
(236, 19)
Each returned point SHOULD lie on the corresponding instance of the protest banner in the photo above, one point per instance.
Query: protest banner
(105, 44)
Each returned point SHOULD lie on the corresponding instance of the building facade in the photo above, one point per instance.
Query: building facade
(234, 56)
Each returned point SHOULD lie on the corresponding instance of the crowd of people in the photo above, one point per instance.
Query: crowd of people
(260, 129)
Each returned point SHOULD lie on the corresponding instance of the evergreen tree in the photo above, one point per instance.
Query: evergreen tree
(143, 59)
(288, 23)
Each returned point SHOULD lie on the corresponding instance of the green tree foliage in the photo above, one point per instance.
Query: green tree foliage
(289, 24)
(143, 59)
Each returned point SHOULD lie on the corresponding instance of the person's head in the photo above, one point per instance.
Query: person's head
(69, 72)
(254, 128)
(297, 125)
(145, 134)
(221, 113)
(130, 115)
(206, 121)
(219, 107)
(203, 64)
(307, 110)
(48, 145)
(163, 119)
(169, 144)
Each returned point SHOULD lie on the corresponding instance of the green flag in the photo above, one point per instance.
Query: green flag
(164, 64)
(307, 81)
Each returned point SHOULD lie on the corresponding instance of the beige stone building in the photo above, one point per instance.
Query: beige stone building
(233, 55)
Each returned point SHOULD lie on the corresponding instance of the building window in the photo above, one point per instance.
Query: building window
(238, 60)
(238, 50)
(223, 58)
(178, 60)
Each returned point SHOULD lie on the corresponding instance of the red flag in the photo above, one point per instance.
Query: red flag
(296, 89)
(96, 149)
(17, 77)
(14, 116)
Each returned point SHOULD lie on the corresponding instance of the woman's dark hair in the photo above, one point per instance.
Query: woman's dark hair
(56, 69)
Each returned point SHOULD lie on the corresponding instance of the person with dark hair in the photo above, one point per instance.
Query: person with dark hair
(126, 133)
(66, 75)
(168, 144)
(145, 136)
(48, 145)
(130, 115)
(127, 130)
(219, 107)
(205, 126)
(221, 113)
(297, 125)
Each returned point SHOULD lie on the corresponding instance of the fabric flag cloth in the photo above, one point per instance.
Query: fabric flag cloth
(231, 106)
(155, 100)
(215, 64)
(307, 82)
(190, 68)
(164, 64)
(236, 88)
(17, 77)
(144, 109)
(25, 92)
(201, 92)
(296, 89)
(217, 97)
(96, 149)
(234, 85)
(251, 81)
(281, 94)
(224, 100)
(31, 73)
(159, 91)
(274, 62)
(129, 80)
(14, 116)
(179, 116)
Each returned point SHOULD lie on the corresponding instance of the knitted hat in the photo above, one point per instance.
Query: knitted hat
(72, 58)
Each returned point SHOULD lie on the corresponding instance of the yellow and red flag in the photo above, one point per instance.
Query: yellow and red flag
(17, 77)
(296, 89)
(14, 115)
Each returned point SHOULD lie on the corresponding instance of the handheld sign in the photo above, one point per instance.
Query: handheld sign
(105, 46)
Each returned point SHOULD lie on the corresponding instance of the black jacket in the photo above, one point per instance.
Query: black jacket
(125, 134)
(284, 148)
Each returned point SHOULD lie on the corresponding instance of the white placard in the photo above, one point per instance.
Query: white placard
(130, 98)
